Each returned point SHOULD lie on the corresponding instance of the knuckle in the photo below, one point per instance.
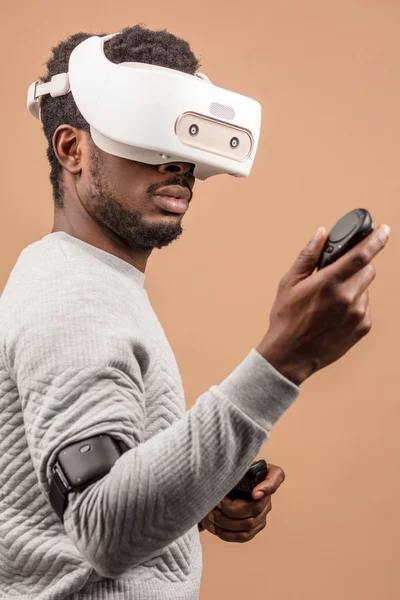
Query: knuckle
(371, 271)
(357, 312)
(237, 512)
(263, 526)
(259, 507)
(361, 260)
(229, 511)
(365, 327)
(217, 520)
(344, 298)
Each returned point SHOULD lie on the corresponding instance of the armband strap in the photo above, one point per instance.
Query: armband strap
(91, 469)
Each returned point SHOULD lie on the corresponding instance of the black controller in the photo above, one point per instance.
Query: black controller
(253, 476)
(347, 233)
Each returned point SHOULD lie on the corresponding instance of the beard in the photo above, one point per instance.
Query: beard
(105, 207)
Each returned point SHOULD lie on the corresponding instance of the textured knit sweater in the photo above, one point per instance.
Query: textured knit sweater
(82, 354)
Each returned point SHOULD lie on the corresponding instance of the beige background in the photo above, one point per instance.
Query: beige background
(327, 75)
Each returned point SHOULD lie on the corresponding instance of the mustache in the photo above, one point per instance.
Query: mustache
(172, 181)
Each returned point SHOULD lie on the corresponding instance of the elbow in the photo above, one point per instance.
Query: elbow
(109, 569)
(108, 566)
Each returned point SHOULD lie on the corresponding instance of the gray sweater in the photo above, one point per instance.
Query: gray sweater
(83, 353)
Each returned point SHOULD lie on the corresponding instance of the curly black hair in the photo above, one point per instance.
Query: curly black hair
(133, 44)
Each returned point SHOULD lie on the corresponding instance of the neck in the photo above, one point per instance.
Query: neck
(93, 233)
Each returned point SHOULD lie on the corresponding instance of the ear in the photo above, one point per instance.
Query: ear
(69, 148)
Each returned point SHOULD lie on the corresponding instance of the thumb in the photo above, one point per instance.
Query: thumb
(307, 260)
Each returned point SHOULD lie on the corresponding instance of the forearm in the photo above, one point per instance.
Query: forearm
(162, 488)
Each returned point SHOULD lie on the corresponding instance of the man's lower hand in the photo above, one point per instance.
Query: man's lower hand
(240, 520)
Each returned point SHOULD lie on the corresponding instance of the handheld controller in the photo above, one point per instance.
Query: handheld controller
(347, 233)
(253, 476)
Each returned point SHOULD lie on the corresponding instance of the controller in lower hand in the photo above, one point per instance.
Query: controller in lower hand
(253, 476)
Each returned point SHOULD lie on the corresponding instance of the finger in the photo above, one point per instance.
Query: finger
(239, 537)
(211, 527)
(241, 508)
(364, 308)
(359, 310)
(363, 302)
(359, 305)
(352, 289)
(358, 257)
(271, 483)
(307, 260)
(223, 522)
(368, 319)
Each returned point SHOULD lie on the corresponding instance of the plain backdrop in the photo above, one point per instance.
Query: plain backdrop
(327, 76)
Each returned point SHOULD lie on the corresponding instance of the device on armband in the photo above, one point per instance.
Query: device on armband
(157, 115)
(80, 464)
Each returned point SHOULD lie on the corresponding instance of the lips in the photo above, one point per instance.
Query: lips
(173, 198)
(174, 191)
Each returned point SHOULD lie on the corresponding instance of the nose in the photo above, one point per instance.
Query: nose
(178, 168)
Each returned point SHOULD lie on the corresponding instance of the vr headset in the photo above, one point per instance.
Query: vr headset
(157, 115)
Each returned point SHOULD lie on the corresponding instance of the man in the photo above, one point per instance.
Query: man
(84, 355)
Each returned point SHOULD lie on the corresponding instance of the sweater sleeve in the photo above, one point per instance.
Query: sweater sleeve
(80, 362)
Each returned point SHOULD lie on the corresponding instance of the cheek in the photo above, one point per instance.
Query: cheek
(126, 179)
(127, 187)
(130, 182)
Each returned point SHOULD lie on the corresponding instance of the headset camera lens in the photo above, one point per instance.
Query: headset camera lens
(193, 129)
(234, 142)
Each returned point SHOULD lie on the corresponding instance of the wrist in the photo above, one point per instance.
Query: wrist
(293, 371)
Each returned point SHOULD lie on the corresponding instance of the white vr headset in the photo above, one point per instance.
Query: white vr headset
(156, 115)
